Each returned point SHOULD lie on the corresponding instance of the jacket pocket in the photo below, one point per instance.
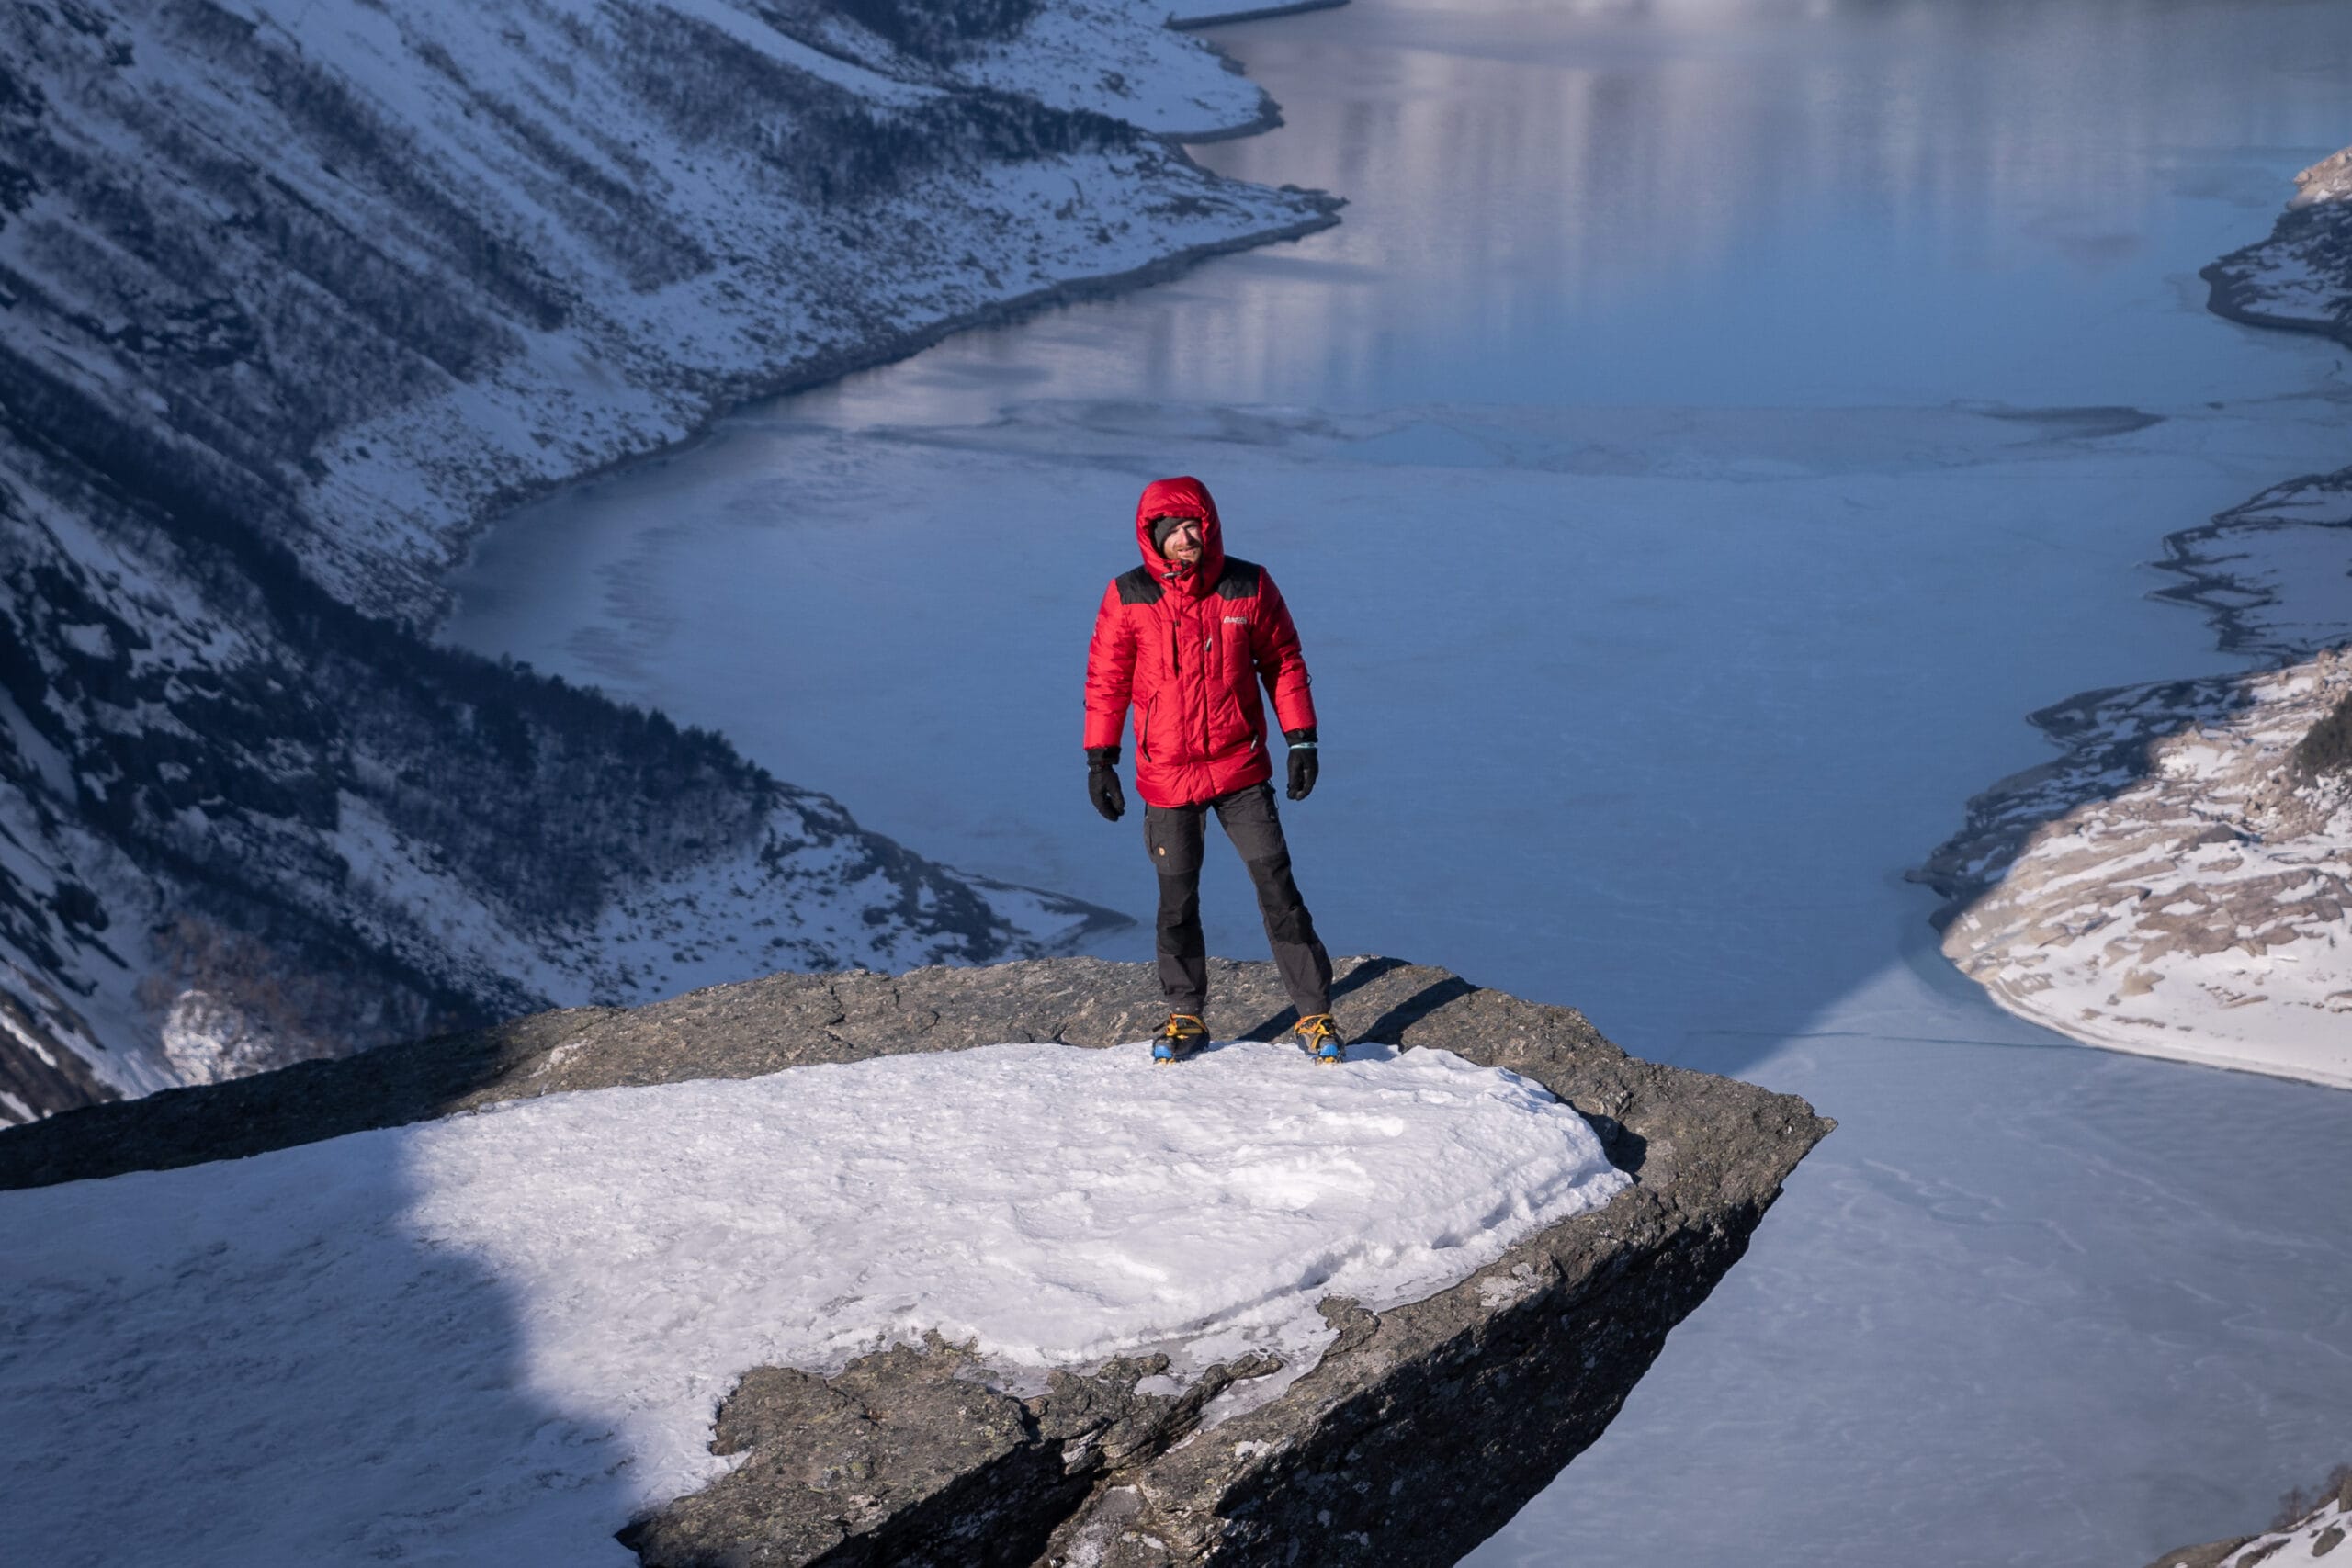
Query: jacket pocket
(1173, 840)
(1229, 727)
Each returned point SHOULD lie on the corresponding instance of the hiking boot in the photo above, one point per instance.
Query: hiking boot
(1321, 1039)
(1180, 1036)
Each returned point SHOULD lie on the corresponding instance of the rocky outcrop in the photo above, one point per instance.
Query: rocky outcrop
(1420, 1432)
(294, 296)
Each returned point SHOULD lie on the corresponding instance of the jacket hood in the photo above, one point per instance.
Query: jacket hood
(1182, 497)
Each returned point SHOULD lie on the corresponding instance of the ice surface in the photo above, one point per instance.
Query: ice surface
(493, 1339)
(1668, 597)
(1647, 711)
(1668, 677)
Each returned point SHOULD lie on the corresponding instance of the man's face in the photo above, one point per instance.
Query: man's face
(1182, 545)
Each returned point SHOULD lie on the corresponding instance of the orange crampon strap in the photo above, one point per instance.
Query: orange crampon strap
(1176, 1018)
(1315, 1027)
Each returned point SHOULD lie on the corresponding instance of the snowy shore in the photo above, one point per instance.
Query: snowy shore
(2300, 279)
(2305, 1535)
(2192, 906)
(2177, 883)
(1219, 13)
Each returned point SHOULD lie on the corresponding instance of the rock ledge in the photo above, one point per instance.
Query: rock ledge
(1419, 1433)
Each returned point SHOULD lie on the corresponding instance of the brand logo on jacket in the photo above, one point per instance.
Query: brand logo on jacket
(1237, 620)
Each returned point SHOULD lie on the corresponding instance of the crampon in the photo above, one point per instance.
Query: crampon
(1180, 1036)
(1321, 1039)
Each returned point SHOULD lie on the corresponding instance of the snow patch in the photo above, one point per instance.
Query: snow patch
(559, 1291)
(2197, 913)
(2309, 1540)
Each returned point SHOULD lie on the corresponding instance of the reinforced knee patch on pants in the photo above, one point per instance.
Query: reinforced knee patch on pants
(1279, 900)
(1293, 924)
(1179, 916)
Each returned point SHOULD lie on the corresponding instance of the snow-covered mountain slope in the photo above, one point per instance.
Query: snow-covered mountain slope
(396, 263)
(292, 297)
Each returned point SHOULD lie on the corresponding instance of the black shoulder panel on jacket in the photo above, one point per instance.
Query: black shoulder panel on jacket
(1137, 587)
(1239, 580)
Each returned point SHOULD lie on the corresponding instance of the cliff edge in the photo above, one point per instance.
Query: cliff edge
(1418, 1431)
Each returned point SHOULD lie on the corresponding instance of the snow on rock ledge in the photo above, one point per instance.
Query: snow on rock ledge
(1047, 1206)
(1404, 1293)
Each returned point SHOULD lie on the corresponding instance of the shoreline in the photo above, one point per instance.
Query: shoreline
(1185, 24)
(500, 504)
(2176, 826)
(428, 404)
(2283, 282)
(2222, 298)
(2228, 600)
(871, 355)
(2170, 846)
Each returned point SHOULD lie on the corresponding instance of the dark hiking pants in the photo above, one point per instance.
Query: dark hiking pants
(1175, 835)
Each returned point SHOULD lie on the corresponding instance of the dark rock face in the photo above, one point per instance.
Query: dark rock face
(1421, 1431)
(51, 1075)
(908, 1456)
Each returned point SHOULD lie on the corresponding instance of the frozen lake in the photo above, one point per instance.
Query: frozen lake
(1713, 428)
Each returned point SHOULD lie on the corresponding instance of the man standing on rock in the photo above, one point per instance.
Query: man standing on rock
(1185, 638)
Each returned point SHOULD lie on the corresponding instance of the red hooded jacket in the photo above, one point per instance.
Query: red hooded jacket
(1187, 651)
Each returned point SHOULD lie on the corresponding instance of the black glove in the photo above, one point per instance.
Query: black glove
(1303, 768)
(1102, 782)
